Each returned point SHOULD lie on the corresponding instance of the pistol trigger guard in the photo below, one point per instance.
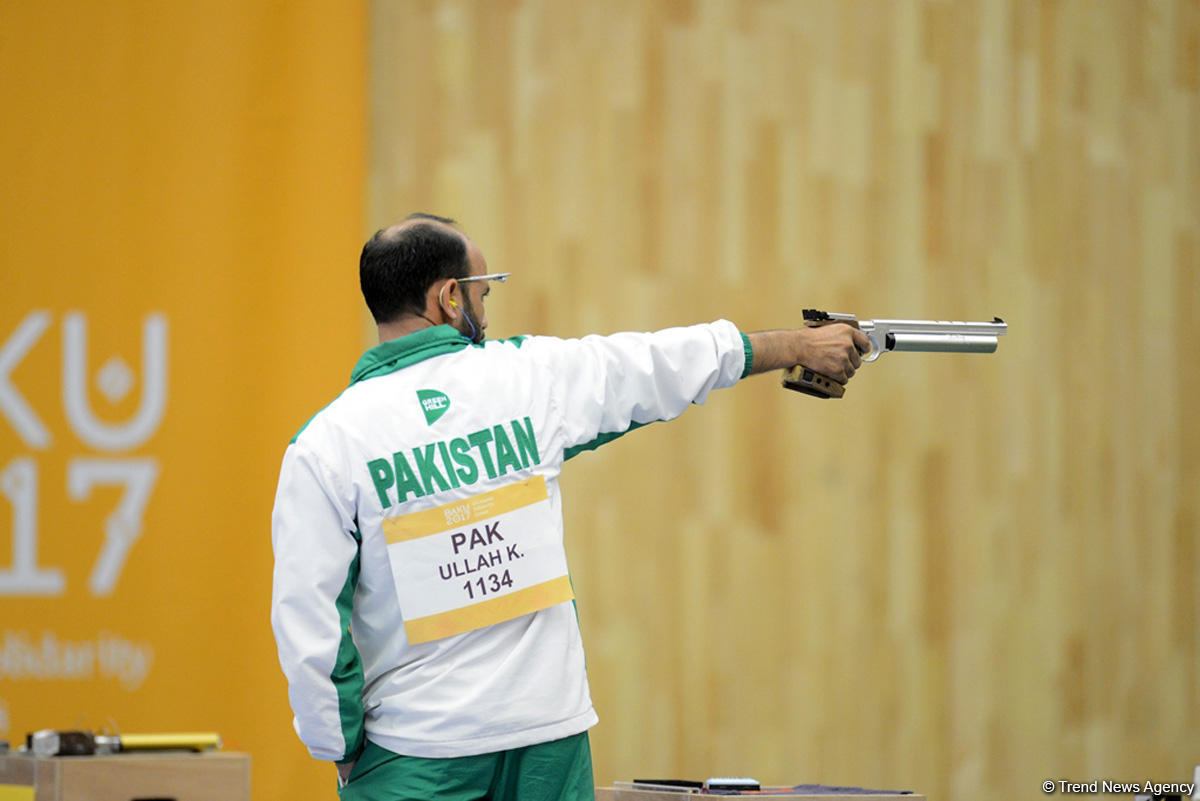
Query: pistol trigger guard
(873, 336)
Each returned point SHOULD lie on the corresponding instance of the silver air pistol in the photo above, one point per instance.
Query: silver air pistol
(937, 336)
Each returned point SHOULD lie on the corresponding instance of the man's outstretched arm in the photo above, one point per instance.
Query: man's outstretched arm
(832, 350)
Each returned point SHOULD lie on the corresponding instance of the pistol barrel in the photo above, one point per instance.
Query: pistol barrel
(932, 336)
(942, 343)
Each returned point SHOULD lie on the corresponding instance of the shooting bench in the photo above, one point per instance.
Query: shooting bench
(209, 776)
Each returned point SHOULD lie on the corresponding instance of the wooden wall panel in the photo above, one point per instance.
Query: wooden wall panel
(972, 574)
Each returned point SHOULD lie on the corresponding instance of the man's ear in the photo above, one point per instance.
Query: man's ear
(446, 299)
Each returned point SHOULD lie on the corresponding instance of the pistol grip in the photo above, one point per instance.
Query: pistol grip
(810, 382)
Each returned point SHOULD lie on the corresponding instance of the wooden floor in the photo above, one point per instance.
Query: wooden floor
(972, 574)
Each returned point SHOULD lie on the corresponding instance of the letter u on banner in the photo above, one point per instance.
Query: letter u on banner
(138, 429)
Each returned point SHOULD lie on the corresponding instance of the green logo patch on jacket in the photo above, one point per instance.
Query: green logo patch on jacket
(433, 403)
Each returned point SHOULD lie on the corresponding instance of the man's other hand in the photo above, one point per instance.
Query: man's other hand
(343, 770)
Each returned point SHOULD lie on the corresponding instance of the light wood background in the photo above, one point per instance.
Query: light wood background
(972, 574)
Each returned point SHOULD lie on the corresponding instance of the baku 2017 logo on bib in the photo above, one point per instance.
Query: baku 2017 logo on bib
(433, 403)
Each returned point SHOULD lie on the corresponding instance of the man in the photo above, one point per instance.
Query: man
(421, 602)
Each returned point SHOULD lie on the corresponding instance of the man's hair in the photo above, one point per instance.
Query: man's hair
(397, 268)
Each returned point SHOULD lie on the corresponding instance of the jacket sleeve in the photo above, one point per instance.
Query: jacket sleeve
(316, 545)
(604, 386)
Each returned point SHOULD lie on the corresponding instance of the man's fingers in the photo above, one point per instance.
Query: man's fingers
(836, 351)
(839, 371)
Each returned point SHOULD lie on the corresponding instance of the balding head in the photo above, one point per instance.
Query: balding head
(400, 263)
(394, 232)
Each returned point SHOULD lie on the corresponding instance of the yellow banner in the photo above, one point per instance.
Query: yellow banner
(464, 513)
(494, 610)
(179, 234)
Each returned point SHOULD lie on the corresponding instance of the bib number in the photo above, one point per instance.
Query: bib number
(472, 563)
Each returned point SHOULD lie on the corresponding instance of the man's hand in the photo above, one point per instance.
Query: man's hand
(831, 350)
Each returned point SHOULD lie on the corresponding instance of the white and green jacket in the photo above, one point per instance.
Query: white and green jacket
(420, 593)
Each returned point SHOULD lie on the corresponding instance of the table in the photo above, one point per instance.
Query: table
(209, 776)
(615, 794)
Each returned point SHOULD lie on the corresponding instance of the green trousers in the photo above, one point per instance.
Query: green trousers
(560, 770)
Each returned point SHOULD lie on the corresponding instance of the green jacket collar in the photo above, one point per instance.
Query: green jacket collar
(396, 354)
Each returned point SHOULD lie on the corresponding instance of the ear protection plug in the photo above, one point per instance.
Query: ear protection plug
(442, 291)
(475, 335)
